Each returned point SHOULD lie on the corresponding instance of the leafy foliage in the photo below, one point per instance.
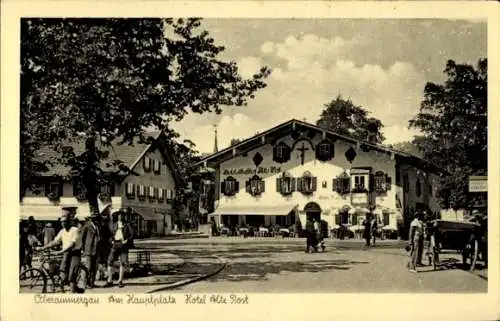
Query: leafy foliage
(453, 118)
(98, 81)
(342, 116)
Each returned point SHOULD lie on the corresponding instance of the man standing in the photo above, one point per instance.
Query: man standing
(416, 239)
(310, 236)
(71, 251)
(367, 232)
(122, 234)
(91, 236)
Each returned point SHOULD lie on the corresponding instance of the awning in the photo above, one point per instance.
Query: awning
(270, 210)
(149, 215)
(50, 212)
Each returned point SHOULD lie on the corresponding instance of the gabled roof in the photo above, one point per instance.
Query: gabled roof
(286, 128)
(129, 154)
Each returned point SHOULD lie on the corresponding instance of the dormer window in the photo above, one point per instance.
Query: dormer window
(230, 186)
(285, 184)
(360, 180)
(281, 153)
(307, 183)
(324, 150)
(255, 186)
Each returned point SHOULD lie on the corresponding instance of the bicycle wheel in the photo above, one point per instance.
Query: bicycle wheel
(33, 281)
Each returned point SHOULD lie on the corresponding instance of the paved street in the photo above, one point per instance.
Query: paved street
(282, 266)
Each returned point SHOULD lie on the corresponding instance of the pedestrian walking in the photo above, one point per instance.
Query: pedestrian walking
(48, 233)
(367, 231)
(373, 228)
(311, 237)
(122, 235)
(90, 238)
(416, 239)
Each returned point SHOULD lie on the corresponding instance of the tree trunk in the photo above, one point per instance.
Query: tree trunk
(90, 175)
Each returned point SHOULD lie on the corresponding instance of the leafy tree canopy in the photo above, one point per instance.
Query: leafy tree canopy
(105, 80)
(345, 118)
(453, 119)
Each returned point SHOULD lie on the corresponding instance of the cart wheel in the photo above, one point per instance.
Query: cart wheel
(475, 253)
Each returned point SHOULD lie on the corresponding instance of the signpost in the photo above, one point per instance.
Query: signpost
(478, 191)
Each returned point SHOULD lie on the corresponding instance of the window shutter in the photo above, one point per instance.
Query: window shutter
(314, 183)
(278, 184)
(386, 218)
(346, 185)
(236, 186)
(248, 186)
(156, 192)
(262, 186)
(354, 219)
(334, 185)
(138, 187)
(293, 181)
(337, 219)
(388, 182)
(223, 187)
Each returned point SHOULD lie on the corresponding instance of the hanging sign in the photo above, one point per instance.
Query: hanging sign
(478, 184)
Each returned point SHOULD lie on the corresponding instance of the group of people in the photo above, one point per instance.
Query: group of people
(315, 235)
(421, 227)
(98, 242)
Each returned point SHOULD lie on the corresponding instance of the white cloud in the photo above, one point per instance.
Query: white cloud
(316, 70)
(399, 133)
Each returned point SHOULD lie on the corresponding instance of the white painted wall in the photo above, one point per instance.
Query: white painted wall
(324, 171)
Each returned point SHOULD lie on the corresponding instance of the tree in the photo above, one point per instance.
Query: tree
(454, 123)
(343, 117)
(408, 147)
(98, 81)
(234, 141)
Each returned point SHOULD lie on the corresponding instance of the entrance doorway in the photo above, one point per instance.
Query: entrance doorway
(313, 211)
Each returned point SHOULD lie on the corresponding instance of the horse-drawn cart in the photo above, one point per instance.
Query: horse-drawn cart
(453, 237)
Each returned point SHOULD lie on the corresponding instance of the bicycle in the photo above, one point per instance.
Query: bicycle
(36, 279)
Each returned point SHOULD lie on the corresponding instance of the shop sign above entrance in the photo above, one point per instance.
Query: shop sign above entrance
(478, 184)
(252, 171)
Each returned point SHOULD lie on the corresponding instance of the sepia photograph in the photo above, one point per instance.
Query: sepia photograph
(164, 155)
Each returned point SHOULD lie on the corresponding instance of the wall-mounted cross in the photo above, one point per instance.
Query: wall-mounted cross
(302, 153)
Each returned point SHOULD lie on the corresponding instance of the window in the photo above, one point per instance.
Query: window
(141, 191)
(147, 164)
(342, 184)
(380, 182)
(360, 178)
(169, 196)
(285, 184)
(156, 166)
(281, 153)
(53, 190)
(281, 220)
(386, 218)
(255, 186)
(151, 192)
(398, 176)
(418, 188)
(324, 150)
(229, 186)
(130, 192)
(307, 183)
(161, 195)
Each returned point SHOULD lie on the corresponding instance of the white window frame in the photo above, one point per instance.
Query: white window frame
(161, 195)
(147, 164)
(151, 191)
(141, 190)
(130, 189)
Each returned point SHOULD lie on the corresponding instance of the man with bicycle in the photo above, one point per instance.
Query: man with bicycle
(68, 236)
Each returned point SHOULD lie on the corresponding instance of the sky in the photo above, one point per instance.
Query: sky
(381, 65)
